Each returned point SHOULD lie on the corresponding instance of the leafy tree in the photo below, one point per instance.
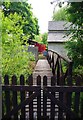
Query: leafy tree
(38, 38)
(15, 58)
(75, 43)
(30, 25)
(60, 14)
(18, 24)
(74, 14)
(42, 38)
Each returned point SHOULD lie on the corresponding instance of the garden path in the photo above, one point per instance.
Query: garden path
(42, 68)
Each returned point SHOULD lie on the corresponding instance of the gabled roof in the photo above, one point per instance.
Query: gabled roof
(58, 25)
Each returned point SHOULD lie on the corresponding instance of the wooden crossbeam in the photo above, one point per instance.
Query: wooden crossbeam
(61, 105)
(20, 88)
(21, 105)
(63, 88)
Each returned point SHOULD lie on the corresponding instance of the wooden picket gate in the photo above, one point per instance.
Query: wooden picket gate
(29, 102)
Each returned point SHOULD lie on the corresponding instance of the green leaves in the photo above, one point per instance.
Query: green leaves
(75, 43)
(15, 58)
(42, 38)
(23, 9)
(18, 24)
(60, 14)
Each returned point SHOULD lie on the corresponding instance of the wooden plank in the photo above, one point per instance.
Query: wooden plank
(7, 95)
(77, 96)
(53, 59)
(1, 97)
(53, 82)
(58, 71)
(53, 66)
(22, 96)
(21, 105)
(44, 97)
(3, 104)
(14, 97)
(30, 79)
(64, 88)
(20, 88)
(61, 69)
(49, 59)
(61, 105)
(65, 59)
(69, 95)
(39, 98)
(60, 111)
(65, 76)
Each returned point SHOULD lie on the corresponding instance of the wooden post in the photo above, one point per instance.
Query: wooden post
(69, 78)
(53, 67)
(77, 97)
(14, 97)
(49, 60)
(7, 95)
(22, 96)
(30, 79)
(58, 71)
(53, 59)
(69, 95)
(44, 97)
(53, 82)
(39, 99)
(60, 111)
(0, 99)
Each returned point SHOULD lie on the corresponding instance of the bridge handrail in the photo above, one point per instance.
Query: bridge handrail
(62, 71)
(64, 58)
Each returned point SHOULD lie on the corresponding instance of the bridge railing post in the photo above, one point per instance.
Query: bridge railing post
(61, 67)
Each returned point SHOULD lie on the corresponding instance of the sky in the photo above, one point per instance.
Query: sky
(43, 10)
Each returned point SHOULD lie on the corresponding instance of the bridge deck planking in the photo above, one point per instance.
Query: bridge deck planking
(42, 68)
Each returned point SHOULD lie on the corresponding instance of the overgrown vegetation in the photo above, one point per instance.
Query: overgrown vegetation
(75, 43)
(42, 38)
(59, 15)
(23, 9)
(18, 24)
(73, 13)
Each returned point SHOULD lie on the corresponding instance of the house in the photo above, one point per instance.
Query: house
(57, 36)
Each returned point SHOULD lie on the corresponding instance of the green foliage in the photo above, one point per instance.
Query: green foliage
(79, 70)
(38, 38)
(75, 51)
(75, 43)
(18, 24)
(42, 38)
(74, 13)
(15, 58)
(30, 25)
(60, 14)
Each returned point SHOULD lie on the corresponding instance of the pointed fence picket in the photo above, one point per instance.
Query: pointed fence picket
(63, 102)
